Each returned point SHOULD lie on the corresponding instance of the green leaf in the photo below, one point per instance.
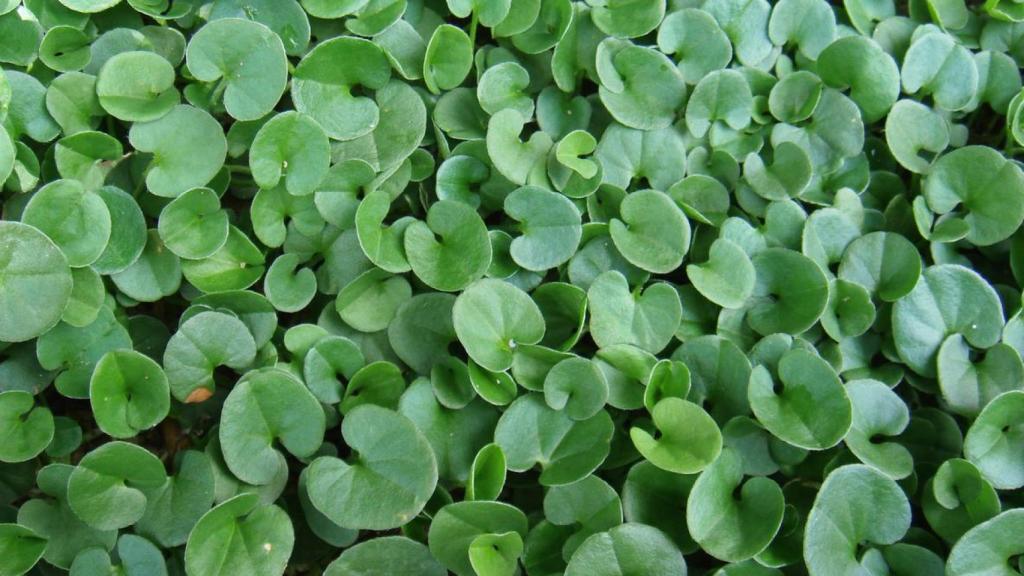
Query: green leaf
(240, 536)
(128, 393)
(21, 549)
(790, 292)
(448, 59)
(627, 549)
(268, 405)
(645, 318)
(487, 475)
(652, 234)
(492, 318)
(395, 555)
(293, 146)
(76, 219)
(566, 449)
(456, 526)
(26, 429)
(948, 299)
(727, 278)
(986, 548)
(689, 439)
(36, 285)
(203, 342)
(969, 177)
(106, 489)
(638, 85)
(387, 485)
(451, 249)
(577, 386)
(731, 519)
(193, 225)
(137, 86)
(811, 410)
(990, 440)
(171, 139)
(878, 412)
(323, 81)
(247, 57)
(839, 526)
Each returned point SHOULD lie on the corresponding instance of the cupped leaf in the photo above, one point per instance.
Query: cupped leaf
(839, 524)
(292, 146)
(390, 481)
(990, 441)
(137, 86)
(860, 64)
(76, 219)
(172, 139)
(395, 555)
(268, 405)
(989, 187)
(988, 547)
(37, 282)
(731, 519)
(288, 287)
(695, 39)
(885, 263)
(451, 249)
(567, 450)
(937, 65)
(514, 159)
(247, 57)
(240, 536)
(689, 438)
(25, 429)
(878, 412)
(811, 410)
(550, 224)
(948, 299)
(645, 318)
(128, 393)
(627, 549)
(448, 58)
(203, 342)
(916, 135)
(727, 278)
(957, 499)
(652, 234)
(106, 489)
(456, 526)
(487, 475)
(639, 86)
(967, 385)
(493, 317)
(790, 292)
(21, 548)
(577, 386)
(323, 83)
(720, 96)
(193, 225)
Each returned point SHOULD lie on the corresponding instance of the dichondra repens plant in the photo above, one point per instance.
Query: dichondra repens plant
(511, 287)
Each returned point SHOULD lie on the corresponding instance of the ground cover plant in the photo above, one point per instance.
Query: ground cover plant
(499, 287)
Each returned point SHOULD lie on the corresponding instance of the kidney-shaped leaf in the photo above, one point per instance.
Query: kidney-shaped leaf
(268, 405)
(247, 57)
(240, 536)
(731, 519)
(840, 523)
(387, 484)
